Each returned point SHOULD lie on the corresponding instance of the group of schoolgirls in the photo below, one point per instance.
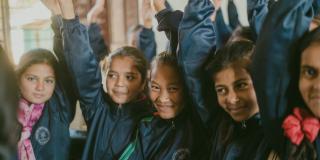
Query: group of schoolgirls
(241, 80)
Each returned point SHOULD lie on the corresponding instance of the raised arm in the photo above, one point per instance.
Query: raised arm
(147, 43)
(197, 39)
(168, 21)
(256, 13)
(286, 22)
(146, 39)
(64, 78)
(81, 60)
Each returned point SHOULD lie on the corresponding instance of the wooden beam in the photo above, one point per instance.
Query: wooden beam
(5, 27)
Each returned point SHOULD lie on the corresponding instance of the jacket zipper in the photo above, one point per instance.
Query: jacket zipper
(243, 124)
(173, 125)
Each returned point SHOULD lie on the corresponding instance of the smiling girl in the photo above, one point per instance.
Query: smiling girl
(175, 131)
(45, 107)
(111, 118)
(286, 76)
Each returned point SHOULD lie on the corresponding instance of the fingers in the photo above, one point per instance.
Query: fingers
(158, 5)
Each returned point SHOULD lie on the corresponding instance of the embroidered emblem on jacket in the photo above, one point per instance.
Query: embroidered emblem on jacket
(42, 135)
(181, 154)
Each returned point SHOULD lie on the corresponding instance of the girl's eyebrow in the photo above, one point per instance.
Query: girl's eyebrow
(240, 80)
(152, 81)
(306, 66)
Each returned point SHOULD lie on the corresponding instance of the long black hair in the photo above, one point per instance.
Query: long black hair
(236, 53)
(305, 150)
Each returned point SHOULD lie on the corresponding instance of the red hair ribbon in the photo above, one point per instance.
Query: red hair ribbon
(301, 124)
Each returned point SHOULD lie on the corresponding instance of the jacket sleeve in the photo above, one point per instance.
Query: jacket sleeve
(83, 66)
(286, 22)
(64, 76)
(257, 11)
(147, 43)
(97, 43)
(169, 21)
(197, 39)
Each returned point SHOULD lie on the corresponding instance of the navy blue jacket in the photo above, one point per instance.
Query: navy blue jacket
(183, 137)
(97, 43)
(197, 39)
(109, 125)
(169, 21)
(50, 135)
(286, 22)
(257, 11)
(147, 43)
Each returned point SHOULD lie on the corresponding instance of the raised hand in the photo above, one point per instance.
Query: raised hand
(97, 9)
(216, 4)
(158, 5)
(53, 6)
(67, 9)
(147, 13)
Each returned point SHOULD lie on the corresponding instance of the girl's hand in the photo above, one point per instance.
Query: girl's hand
(97, 9)
(53, 6)
(158, 5)
(67, 9)
(147, 13)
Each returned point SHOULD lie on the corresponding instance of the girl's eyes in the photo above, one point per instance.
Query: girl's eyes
(173, 89)
(221, 91)
(31, 78)
(130, 78)
(111, 75)
(155, 88)
(241, 85)
(309, 72)
(49, 81)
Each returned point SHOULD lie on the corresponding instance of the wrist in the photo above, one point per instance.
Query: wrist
(147, 23)
(160, 8)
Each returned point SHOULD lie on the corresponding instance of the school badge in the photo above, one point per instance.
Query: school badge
(42, 135)
(181, 154)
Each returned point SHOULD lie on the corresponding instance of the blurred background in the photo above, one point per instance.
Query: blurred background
(25, 24)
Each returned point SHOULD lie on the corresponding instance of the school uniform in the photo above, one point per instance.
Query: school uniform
(197, 41)
(275, 86)
(147, 43)
(97, 43)
(182, 137)
(169, 21)
(109, 125)
(50, 134)
(257, 11)
(246, 141)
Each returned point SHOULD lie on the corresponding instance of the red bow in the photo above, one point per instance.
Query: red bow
(301, 124)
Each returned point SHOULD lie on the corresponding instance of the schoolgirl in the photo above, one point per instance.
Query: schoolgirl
(286, 78)
(235, 123)
(111, 117)
(175, 131)
(46, 106)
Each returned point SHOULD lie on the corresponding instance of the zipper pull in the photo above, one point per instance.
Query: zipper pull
(243, 125)
(173, 125)
(118, 109)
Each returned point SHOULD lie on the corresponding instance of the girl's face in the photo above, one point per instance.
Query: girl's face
(124, 81)
(236, 94)
(37, 83)
(166, 91)
(309, 84)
